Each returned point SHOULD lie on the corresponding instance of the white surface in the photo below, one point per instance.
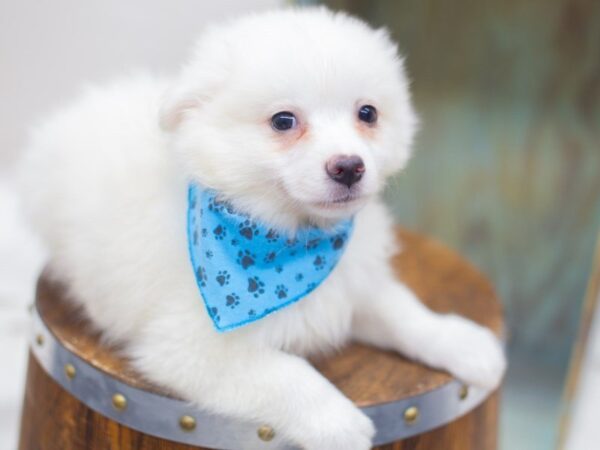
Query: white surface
(20, 260)
(583, 434)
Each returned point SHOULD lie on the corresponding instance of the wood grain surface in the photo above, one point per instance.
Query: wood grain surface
(368, 376)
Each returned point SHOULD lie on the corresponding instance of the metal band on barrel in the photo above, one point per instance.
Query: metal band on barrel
(178, 421)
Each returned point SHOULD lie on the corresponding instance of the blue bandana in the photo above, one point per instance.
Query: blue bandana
(245, 270)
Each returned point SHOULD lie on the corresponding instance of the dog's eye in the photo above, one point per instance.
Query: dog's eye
(368, 114)
(283, 121)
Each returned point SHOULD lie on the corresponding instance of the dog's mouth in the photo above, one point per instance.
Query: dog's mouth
(338, 202)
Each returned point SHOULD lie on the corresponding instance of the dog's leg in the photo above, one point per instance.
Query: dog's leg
(230, 375)
(395, 319)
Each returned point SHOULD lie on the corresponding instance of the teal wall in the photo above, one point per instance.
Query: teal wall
(507, 166)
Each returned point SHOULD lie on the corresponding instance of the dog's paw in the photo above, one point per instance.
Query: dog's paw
(342, 426)
(470, 352)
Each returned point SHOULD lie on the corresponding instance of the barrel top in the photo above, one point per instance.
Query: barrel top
(440, 277)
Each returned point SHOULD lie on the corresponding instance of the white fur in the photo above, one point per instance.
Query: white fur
(105, 186)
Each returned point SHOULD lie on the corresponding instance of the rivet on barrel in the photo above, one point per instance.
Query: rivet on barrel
(119, 402)
(464, 392)
(39, 340)
(187, 423)
(70, 371)
(411, 414)
(266, 433)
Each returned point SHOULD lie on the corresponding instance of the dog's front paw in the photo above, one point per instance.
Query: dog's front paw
(470, 352)
(335, 426)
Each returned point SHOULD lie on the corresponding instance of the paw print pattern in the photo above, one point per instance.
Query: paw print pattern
(337, 242)
(310, 286)
(279, 269)
(195, 237)
(204, 232)
(281, 291)
(214, 312)
(313, 243)
(256, 287)
(291, 242)
(209, 254)
(248, 229)
(272, 235)
(201, 276)
(223, 277)
(246, 258)
(232, 300)
(319, 262)
(251, 313)
(235, 242)
(215, 205)
(270, 257)
(220, 232)
(299, 277)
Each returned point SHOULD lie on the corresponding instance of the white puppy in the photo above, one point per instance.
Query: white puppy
(105, 184)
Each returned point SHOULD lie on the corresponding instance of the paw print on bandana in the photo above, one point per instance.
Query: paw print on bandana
(214, 312)
(219, 232)
(201, 276)
(299, 277)
(272, 235)
(232, 300)
(223, 277)
(208, 254)
(270, 257)
(279, 269)
(235, 242)
(248, 229)
(291, 242)
(251, 313)
(319, 262)
(337, 242)
(246, 259)
(281, 291)
(256, 287)
(313, 243)
(311, 286)
(215, 205)
(195, 237)
(204, 232)
(193, 201)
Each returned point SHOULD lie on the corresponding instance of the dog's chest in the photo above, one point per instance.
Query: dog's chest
(318, 323)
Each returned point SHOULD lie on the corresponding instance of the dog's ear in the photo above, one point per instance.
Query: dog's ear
(176, 102)
(200, 81)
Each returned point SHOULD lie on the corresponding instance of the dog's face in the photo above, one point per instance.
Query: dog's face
(295, 115)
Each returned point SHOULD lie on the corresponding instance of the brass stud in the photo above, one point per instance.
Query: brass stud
(411, 414)
(39, 339)
(70, 371)
(187, 423)
(266, 433)
(464, 392)
(119, 402)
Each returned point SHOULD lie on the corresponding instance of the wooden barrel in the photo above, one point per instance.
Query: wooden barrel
(80, 395)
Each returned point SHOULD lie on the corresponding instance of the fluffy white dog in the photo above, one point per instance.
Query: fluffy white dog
(294, 117)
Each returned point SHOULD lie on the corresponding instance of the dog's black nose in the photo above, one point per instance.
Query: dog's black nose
(345, 169)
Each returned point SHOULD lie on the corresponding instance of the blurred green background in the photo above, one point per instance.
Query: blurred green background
(507, 169)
